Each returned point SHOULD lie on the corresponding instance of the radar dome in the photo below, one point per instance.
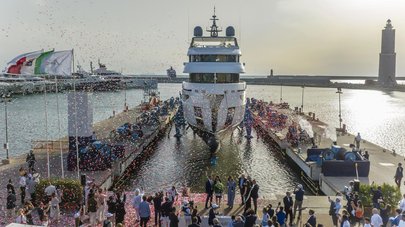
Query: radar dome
(230, 31)
(198, 31)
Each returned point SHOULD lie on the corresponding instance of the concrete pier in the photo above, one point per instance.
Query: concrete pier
(383, 161)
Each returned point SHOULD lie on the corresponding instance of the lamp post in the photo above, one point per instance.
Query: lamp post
(302, 99)
(339, 91)
(125, 98)
(6, 98)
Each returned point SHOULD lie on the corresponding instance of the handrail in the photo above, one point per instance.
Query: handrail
(310, 183)
(50, 145)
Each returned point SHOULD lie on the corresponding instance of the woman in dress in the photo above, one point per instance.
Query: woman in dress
(54, 208)
(358, 212)
(218, 190)
(231, 186)
(101, 196)
(136, 202)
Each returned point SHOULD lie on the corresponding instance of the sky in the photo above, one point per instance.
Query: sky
(301, 37)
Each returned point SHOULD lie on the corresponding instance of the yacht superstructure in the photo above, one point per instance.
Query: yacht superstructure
(214, 97)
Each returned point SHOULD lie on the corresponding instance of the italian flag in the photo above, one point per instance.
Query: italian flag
(39, 62)
(24, 63)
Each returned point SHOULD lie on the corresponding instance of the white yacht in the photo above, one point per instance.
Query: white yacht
(214, 97)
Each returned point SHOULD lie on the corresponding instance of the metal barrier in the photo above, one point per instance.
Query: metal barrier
(310, 183)
(49, 145)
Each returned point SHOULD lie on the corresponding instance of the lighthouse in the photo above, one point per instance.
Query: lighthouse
(386, 72)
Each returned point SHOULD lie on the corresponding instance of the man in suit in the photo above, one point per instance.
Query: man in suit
(241, 181)
(311, 220)
(209, 190)
(247, 186)
(254, 194)
(399, 174)
(288, 204)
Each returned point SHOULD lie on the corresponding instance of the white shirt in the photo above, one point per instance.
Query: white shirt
(171, 194)
(349, 190)
(50, 190)
(137, 201)
(346, 224)
(23, 181)
(77, 215)
(376, 220)
(367, 225)
(21, 219)
(358, 138)
(401, 223)
(402, 204)
(337, 207)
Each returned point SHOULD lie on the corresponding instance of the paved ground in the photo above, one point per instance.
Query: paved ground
(383, 162)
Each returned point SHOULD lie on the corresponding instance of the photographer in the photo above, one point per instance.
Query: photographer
(334, 209)
(377, 197)
(299, 198)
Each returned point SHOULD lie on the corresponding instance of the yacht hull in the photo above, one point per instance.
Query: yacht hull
(213, 109)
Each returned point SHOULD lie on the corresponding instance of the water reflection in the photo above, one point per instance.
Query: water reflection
(186, 161)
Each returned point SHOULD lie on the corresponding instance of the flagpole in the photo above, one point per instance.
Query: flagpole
(75, 104)
(46, 131)
(59, 136)
(73, 59)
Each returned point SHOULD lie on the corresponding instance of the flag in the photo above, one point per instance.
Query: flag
(39, 62)
(24, 63)
(55, 63)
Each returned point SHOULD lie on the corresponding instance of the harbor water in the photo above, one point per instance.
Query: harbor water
(377, 115)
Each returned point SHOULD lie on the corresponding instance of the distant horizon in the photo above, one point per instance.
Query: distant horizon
(317, 37)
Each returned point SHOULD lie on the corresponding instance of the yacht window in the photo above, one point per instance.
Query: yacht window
(197, 112)
(227, 78)
(202, 78)
(185, 97)
(200, 122)
(214, 58)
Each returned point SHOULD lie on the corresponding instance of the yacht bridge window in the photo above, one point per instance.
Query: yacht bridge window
(214, 58)
(214, 78)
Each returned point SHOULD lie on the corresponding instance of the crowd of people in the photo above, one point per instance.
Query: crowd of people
(102, 208)
(22, 211)
(353, 213)
(275, 119)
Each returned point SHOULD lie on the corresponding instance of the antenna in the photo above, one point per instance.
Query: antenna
(240, 22)
(188, 22)
(214, 29)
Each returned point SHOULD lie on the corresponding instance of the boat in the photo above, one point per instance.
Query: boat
(171, 73)
(24, 84)
(214, 97)
(116, 80)
(112, 79)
